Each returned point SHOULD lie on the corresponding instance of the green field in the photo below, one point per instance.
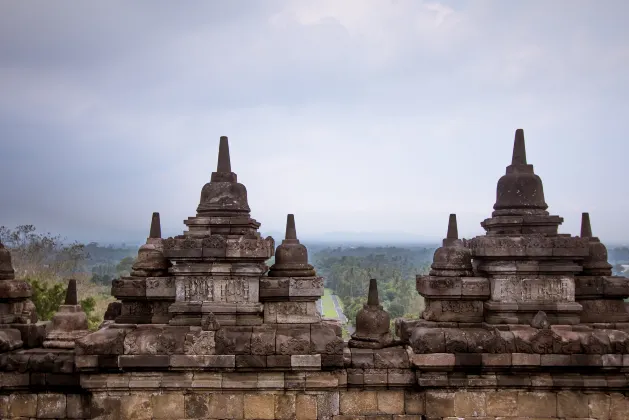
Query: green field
(328, 305)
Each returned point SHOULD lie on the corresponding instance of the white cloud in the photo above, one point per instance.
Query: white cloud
(356, 115)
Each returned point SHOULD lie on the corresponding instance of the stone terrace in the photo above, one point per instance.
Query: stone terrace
(520, 323)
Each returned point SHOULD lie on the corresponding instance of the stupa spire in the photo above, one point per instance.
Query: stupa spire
(71, 294)
(453, 231)
(586, 227)
(519, 148)
(156, 228)
(224, 162)
(372, 297)
(291, 231)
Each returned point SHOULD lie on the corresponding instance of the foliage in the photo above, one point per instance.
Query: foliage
(46, 261)
(89, 305)
(42, 256)
(46, 298)
(124, 267)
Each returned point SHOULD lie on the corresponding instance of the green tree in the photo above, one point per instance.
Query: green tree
(89, 305)
(124, 267)
(46, 298)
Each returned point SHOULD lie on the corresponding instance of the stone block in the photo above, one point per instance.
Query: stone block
(414, 402)
(316, 380)
(197, 406)
(306, 407)
(305, 361)
(160, 287)
(454, 310)
(207, 380)
(239, 380)
(537, 404)
(295, 380)
(599, 406)
(51, 406)
(250, 361)
(502, 403)
(432, 379)
(428, 340)
(200, 342)
(259, 406)
(390, 402)
(285, 407)
(292, 339)
(271, 380)
(572, 404)
(469, 404)
(327, 405)
(358, 402)
(278, 361)
(496, 360)
(362, 358)
(274, 288)
(305, 287)
(139, 380)
(4, 406)
(325, 339)
(332, 361)
(23, 405)
(77, 406)
(263, 340)
(168, 406)
(136, 406)
(619, 407)
(400, 377)
(101, 342)
(439, 404)
(525, 360)
(375, 377)
(144, 361)
(176, 380)
(226, 406)
(104, 406)
(291, 313)
(434, 361)
(438, 287)
(233, 340)
(391, 358)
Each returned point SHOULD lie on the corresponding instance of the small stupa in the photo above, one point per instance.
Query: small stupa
(69, 323)
(601, 294)
(148, 291)
(372, 323)
(291, 257)
(450, 290)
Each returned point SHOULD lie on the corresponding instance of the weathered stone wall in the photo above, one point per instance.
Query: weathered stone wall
(509, 404)
(322, 396)
(21, 405)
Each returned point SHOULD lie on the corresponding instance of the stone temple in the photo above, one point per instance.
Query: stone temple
(520, 323)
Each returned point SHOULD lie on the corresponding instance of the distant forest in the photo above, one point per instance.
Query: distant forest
(47, 262)
(347, 272)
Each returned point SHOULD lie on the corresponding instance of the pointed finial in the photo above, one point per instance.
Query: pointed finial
(372, 297)
(224, 163)
(586, 228)
(519, 150)
(71, 295)
(291, 231)
(453, 231)
(156, 227)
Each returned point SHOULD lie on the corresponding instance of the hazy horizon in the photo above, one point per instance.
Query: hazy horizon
(374, 117)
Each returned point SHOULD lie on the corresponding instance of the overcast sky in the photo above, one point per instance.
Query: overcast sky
(378, 116)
